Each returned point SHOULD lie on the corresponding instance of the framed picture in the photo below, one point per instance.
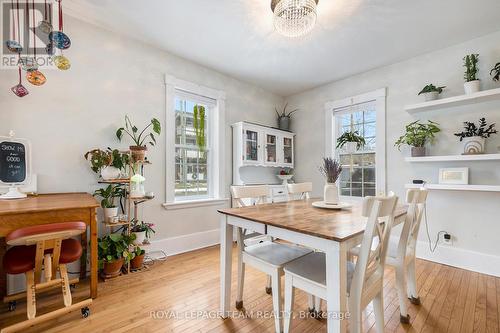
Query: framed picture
(456, 176)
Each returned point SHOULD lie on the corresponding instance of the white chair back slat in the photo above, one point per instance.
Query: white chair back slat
(373, 249)
(300, 191)
(256, 194)
(416, 199)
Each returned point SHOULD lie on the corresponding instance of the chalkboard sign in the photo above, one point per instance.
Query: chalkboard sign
(12, 162)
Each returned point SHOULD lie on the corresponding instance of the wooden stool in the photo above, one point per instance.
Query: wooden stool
(47, 246)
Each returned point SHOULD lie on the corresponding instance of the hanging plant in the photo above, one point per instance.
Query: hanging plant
(199, 125)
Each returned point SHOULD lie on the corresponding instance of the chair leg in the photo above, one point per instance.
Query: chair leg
(30, 294)
(355, 316)
(269, 289)
(289, 298)
(378, 309)
(317, 307)
(404, 317)
(412, 283)
(276, 285)
(310, 303)
(241, 270)
(65, 285)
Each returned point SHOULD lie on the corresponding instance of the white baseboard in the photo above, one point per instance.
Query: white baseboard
(186, 243)
(461, 258)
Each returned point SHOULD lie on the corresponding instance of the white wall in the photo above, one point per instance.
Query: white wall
(471, 217)
(80, 109)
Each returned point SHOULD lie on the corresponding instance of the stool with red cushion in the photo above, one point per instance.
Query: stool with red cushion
(48, 247)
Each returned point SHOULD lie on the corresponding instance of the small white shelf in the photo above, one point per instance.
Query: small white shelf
(481, 96)
(478, 188)
(454, 158)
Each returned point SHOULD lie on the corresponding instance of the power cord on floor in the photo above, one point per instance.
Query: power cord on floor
(432, 248)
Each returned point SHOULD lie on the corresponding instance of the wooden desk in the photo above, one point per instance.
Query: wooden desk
(331, 231)
(52, 208)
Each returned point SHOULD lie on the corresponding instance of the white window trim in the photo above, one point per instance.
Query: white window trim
(379, 97)
(217, 170)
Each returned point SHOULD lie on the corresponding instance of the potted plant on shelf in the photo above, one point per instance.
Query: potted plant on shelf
(471, 84)
(331, 170)
(113, 252)
(100, 163)
(108, 195)
(284, 118)
(120, 161)
(350, 141)
(142, 231)
(474, 137)
(417, 135)
(141, 138)
(495, 72)
(431, 92)
(138, 260)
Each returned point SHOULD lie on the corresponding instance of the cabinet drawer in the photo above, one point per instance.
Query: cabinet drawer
(278, 191)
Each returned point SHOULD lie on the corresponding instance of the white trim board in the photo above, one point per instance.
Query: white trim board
(186, 243)
(461, 258)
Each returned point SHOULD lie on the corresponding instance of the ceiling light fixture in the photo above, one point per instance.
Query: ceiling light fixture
(294, 18)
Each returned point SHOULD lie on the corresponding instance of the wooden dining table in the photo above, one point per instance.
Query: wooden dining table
(333, 232)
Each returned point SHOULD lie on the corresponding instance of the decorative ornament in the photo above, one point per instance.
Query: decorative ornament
(62, 62)
(36, 78)
(12, 44)
(59, 38)
(19, 89)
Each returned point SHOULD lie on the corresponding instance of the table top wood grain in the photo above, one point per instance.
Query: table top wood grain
(48, 202)
(301, 216)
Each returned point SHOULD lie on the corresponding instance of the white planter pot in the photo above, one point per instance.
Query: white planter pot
(431, 96)
(140, 236)
(472, 87)
(109, 213)
(350, 147)
(110, 172)
(474, 145)
(331, 194)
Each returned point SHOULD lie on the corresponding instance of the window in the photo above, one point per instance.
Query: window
(194, 175)
(363, 171)
(358, 177)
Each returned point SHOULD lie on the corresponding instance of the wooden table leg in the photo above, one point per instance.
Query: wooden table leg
(336, 287)
(93, 254)
(3, 275)
(226, 249)
(83, 259)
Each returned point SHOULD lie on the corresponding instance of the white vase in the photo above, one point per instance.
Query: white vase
(110, 213)
(110, 172)
(431, 96)
(140, 236)
(331, 194)
(472, 87)
(474, 145)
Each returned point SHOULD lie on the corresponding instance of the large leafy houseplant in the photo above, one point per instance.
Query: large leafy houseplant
(99, 159)
(417, 135)
(350, 137)
(140, 138)
(113, 251)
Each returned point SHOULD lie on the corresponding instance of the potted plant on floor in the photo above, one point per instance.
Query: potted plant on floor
(113, 253)
(138, 260)
(495, 72)
(141, 138)
(350, 141)
(142, 231)
(471, 84)
(431, 92)
(474, 137)
(417, 135)
(108, 195)
(284, 118)
(331, 170)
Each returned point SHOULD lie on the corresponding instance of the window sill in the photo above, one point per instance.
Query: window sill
(194, 203)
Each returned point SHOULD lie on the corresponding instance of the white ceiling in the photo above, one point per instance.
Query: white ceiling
(236, 37)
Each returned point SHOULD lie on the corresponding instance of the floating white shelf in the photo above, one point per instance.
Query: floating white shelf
(481, 96)
(480, 188)
(455, 158)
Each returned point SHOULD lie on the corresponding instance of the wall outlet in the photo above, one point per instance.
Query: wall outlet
(447, 239)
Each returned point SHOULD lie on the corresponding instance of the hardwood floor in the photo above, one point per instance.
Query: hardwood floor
(453, 300)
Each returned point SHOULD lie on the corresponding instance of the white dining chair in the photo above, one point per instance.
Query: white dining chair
(299, 191)
(267, 256)
(364, 278)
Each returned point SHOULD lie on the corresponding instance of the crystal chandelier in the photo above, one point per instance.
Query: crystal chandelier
(294, 18)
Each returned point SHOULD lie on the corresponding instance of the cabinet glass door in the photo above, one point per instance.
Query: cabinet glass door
(271, 148)
(251, 145)
(287, 150)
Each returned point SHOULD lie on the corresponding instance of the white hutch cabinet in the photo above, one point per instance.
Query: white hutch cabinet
(259, 152)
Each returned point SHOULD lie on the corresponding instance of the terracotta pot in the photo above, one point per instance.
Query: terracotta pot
(137, 262)
(138, 153)
(417, 151)
(112, 268)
